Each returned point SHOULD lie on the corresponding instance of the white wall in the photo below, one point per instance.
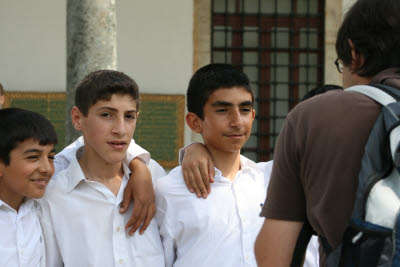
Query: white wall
(154, 44)
(32, 49)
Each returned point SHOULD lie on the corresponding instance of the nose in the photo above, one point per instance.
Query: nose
(119, 126)
(236, 118)
(46, 166)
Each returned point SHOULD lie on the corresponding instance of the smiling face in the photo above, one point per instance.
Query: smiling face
(30, 169)
(228, 116)
(108, 128)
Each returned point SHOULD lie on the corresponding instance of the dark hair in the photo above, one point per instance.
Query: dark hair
(1, 89)
(18, 125)
(373, 26)
(101, 85)
(210, 78)
(320, 90)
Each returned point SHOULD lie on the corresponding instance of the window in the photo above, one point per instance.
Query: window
(280, 46)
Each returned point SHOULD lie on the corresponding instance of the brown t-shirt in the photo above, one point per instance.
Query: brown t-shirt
(317, 160)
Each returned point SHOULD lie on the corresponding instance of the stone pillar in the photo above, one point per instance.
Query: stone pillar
(201, 41)
(91, 45)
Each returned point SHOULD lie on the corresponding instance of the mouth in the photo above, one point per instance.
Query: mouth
(41, 182)
(117, 144)
(235, 136)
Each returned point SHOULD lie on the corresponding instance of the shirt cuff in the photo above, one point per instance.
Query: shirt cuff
(182, 152)
(136, 151)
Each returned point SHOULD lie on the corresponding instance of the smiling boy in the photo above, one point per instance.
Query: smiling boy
(220, 230)
(27, 142)
(80, 218)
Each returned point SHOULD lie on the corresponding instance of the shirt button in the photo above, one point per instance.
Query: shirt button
(247, 258)
(118, 229)
(244, 220)
(21, 252)
(121, 261)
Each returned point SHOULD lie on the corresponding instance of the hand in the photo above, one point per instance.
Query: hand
(198, 169)
(140, 190)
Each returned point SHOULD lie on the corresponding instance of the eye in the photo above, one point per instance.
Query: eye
(105, 115)
(51, 157)
(221, 110)
(130, 116)
(246, 110)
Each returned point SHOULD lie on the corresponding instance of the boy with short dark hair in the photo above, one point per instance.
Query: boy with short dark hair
(27, 142)
(220, 230)
(80, 214)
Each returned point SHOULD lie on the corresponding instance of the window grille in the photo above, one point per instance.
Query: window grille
(279, 44)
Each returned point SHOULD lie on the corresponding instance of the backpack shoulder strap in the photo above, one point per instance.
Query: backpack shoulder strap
(382, 94)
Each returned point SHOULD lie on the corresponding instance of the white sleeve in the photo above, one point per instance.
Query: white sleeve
(63, 158)
(134, 151)
(53, 256)
(182, 152)
(165, 230)
(156, 171)
(266, 168)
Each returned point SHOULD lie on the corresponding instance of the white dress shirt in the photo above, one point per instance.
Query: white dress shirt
(62, 159)
(21, 241)
(217, 231)
(82, 225)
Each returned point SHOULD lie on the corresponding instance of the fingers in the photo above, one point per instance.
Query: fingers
(186, 179)
(205, 180)
(126, 200)
(133, 220)
(193, 183)
(149, 216)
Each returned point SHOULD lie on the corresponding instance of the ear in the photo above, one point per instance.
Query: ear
(2, 99)
(76, 117)
(357, 59)
(137, 115)
(253, 114)
(194, 122)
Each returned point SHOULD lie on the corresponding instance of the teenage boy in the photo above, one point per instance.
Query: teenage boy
(80, 215)
(27, 142)
(220, 230)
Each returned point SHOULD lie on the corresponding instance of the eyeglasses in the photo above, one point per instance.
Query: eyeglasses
(339, 65)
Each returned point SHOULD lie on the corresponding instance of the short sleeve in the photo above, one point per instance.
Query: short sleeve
(285, 195)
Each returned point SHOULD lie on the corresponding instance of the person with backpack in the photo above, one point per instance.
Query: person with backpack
(319, 151)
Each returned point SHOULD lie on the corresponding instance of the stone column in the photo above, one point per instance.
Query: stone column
(91, 45)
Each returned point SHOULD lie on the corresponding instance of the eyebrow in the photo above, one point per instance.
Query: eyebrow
(115, 110)
(36, 150)
(229, 104)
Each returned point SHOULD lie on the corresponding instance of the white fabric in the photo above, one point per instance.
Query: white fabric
(217, 231)
(62, 159)
(21, 241)
(383, 203)
(312, 254)
(375, 93)
(82, 225)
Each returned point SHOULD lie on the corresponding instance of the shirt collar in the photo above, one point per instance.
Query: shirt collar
(246, 166)
(76, 174)
(25, 207)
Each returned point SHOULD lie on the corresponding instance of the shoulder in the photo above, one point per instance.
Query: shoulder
(156, 170)
(171, 183)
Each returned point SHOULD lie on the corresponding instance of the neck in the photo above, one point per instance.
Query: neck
(12, 199)
(227, 162)
(96, 169)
